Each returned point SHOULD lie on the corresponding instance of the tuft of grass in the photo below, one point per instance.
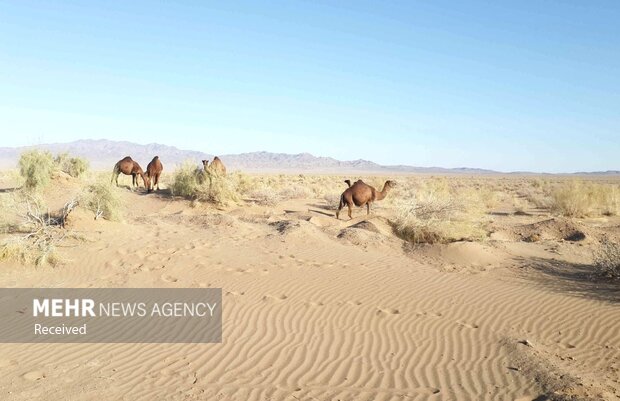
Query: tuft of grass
(607, 260)
(36, 167)
(104, 200)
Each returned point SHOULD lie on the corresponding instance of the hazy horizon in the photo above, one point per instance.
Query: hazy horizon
(522, 87)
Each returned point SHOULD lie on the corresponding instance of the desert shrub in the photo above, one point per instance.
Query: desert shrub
(295, 192)
(572, 199)
(244, 182)
(435, 214)
(37, 233)
(74, 166)
(218, 189)
(104, 200)
(205, 186)
(607, 260)
(186, 180)
(332, 200)
(577, 198)
(36, 167)
(608, 199)
(265, 196)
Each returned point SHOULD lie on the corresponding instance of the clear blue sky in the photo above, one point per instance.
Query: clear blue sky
(520, 85)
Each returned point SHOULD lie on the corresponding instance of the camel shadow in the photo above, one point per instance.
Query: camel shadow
(580, 280)
(8, 190)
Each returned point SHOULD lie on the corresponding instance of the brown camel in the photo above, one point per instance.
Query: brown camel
(128, 166)
(216, 166)
(360, 194)
(153, 171)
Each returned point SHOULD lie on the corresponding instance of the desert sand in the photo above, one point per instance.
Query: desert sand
(322, 309)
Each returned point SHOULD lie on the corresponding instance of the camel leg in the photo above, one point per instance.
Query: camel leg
(367, 208)
(350, 210)
(340, 205)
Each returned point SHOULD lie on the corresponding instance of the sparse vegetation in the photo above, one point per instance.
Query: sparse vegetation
(186, 180)
(36, 168)
(74, 166)
(607, 260)
(192, 182)
(433, 214)
(37, 232)
(104, 200)
(265, 196)
(577, 198)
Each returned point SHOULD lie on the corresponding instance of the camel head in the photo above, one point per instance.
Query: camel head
(390, 184)
(205, 164)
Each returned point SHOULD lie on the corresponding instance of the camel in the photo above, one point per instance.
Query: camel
(153, 171)
(128, 166)
(216, 166)
(360, 194)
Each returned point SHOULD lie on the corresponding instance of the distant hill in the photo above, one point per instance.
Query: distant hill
(103, 153)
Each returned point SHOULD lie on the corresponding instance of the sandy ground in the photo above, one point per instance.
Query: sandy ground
(320, 309)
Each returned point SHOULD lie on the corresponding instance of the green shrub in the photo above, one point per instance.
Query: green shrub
(36, 167)
(104, 200)
(74, 166)
(186, 180)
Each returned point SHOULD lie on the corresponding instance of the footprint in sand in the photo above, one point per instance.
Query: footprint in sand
(566, 345)
(314, 304)
(354, 303)
(277, 298)
(388, 311)
(429, 314)
(467, 325)
(34, 375)
(235, 293)
(169, 279)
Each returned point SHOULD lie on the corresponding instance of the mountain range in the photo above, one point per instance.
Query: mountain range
(103, 154)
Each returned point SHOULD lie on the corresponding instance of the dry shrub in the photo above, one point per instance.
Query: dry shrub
(265, 196)
(37, 232)
(577, 198)
(296, 192)
(436, 214)
(332, 200)
(218, 189)
(36, 168)
(104, 200)
(607, 260)
(194, 183)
